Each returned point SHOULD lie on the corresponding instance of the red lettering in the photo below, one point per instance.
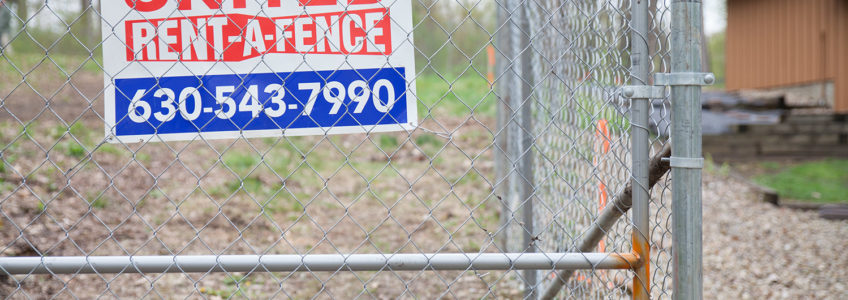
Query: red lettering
(316, 2)
(212, 4)
(146, 5)
(352, 2)
(237, 37)
(152, 5)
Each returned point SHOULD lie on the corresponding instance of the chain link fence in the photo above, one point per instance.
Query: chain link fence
(523, 139)
(579, 57)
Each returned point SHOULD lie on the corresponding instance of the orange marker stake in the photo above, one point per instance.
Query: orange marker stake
(603, 142)
(490, 76)
(602, 137)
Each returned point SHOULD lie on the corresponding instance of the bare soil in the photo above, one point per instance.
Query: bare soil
(66, 193)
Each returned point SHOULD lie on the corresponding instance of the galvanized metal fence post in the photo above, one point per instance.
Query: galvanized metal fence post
(504, 55)
(686, 147)
(640, 68)
(524, 138)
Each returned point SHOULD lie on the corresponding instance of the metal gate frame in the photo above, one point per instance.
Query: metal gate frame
(685, 162)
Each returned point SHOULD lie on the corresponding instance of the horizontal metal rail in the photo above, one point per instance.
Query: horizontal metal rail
(314, 262)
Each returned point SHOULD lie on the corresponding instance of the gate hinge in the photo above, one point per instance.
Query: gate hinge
(661, 80)
(643, 92)
(672, 79)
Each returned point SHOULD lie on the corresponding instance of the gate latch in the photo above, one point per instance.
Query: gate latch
(657, 91)
(661, 80)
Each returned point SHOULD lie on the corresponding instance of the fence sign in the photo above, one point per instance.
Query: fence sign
(177, 70)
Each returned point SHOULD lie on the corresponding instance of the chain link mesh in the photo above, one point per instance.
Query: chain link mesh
(456, 184)
(580, 58)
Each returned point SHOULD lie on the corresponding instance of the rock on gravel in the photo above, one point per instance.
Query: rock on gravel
(755, 250)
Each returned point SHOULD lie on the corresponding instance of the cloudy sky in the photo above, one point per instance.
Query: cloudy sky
(714, 16)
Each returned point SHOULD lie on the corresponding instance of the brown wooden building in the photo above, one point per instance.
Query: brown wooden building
(779, 43)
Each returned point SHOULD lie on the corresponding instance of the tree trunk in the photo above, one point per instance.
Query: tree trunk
(22, 11)
(84, 23)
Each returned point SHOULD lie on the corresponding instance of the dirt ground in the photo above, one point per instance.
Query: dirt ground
(65, 193)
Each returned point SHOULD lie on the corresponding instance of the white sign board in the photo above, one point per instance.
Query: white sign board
(180, 69)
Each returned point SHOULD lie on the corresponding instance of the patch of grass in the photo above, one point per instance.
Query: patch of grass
(97, 201)
(250, 184)
(75, 150)
(235, 287)
(28, 130)
(470, 178)
(711, 167)
(142, 157)
(372, 170)
(24, 62)
(429, 139)
(110, 149)
(282, 204)
(388, 142)
(281, 158)
(240, 162)
(218, 192)
(155, 193)
(823, 181)
(430, 144)
(472, 246)
(455, 96)
(6, 186)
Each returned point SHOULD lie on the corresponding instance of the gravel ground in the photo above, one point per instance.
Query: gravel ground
(755, 250)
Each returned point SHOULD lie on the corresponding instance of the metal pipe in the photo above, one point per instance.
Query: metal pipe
(503, 81)
(314, 263)
(523, 129)
(640, 70)
(686, 134)
(607, 218)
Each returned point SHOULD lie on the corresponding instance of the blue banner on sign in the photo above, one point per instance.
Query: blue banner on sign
(295, 100)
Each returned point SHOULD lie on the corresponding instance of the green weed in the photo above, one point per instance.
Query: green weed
(472, 246)
(388, 142)
(218, 191)
(110, 149)
(250, 184)
(430, 145)
(470, 178)
(282, 204)
(97, 201)
(372, 170)
(75, 150)
(240, 162)
(142, 157)
(429, 140)
(712, 167)
(235, 286)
